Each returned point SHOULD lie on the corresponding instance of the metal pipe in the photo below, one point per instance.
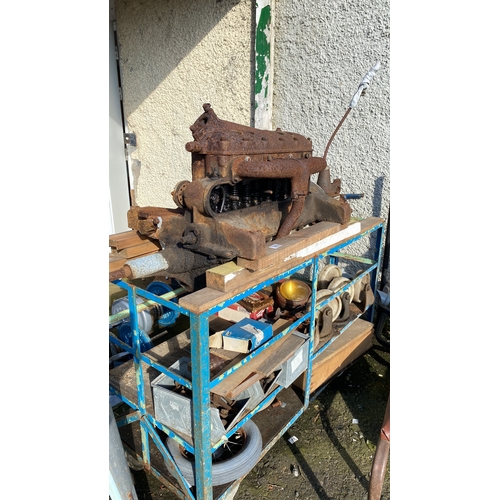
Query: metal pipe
(353, 196)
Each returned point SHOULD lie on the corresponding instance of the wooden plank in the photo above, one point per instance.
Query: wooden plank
(206, 298)
(145, 248)
(218, 277)
(351, 344)
(244, 371)
(126, 239)
(249, 381)
(284, 353)
(307, 241)
(239, 376)
(116, 262)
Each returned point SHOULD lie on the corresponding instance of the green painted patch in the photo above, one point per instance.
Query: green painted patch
(262, 51)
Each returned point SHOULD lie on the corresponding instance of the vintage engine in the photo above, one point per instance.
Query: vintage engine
(248, 186)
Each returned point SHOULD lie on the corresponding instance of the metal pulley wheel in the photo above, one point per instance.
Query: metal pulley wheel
(337, 283)
(125, 334)
(359, 286)
(145, 318)
(178, 193)
(334, 305)
(326, 275)
(168, 316)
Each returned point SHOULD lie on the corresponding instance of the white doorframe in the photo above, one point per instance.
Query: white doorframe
(119, 186)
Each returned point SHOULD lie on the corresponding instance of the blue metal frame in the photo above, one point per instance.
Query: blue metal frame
(200, 385)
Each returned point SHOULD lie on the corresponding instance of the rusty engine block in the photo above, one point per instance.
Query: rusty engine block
(248, 187)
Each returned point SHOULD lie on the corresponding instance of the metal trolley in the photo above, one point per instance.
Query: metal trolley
(139, 428)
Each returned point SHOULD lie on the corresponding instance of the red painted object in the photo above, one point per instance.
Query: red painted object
(380, 459)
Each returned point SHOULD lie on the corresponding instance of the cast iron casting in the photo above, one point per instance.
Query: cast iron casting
(248, 187)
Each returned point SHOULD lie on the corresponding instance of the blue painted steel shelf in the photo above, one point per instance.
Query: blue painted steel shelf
(149, 429)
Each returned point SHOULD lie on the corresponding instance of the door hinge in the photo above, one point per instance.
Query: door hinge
(130, 139)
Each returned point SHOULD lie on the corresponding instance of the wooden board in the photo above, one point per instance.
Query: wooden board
(145, 248)
(202, 300)
(251, 367)
(116, 262)
(351, 344)
(236, 378)
(319, 236)
(283, 354)
(126, 239)
(219, 277)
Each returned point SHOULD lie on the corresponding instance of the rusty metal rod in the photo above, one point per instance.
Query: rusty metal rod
(334, 134)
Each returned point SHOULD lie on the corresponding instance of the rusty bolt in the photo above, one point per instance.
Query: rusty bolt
(247, 158)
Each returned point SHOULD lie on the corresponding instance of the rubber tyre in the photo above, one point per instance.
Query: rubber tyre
(227, 470)
(383, 314)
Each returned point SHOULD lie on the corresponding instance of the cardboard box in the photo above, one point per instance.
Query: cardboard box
(253, 307)
(246, 335)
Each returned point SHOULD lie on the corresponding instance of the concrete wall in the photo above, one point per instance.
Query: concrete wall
(322, 51)
(176, 55)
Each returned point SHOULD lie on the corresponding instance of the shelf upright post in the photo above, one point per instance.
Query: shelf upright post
(312, 327)
(374, 276)
(139, 376)
(200, 357)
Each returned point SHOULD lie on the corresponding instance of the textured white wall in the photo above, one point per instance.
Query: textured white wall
(176, 55)
(322, 51)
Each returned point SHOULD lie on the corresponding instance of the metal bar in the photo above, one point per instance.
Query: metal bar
(176, 491)
(378, 257)
(312, 326)
(351, 240)
(118, 317)
(166, 455)
(178, 378)
(128, 419)
(115, 340)
(139, 376)
(156, 473)
(347, 256)
(123, 398)
(201, 405)
(170, 433)
(159, 299)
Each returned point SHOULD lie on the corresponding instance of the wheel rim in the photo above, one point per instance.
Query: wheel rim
(228, 450)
